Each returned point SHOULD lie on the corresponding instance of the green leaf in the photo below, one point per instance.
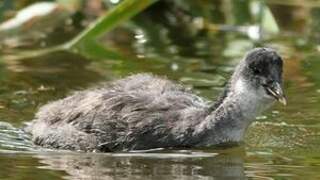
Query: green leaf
(119, 14)
(266, 19)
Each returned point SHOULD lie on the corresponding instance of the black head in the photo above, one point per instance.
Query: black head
(263, 69)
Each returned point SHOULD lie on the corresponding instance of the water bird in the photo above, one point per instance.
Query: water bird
(144, 111)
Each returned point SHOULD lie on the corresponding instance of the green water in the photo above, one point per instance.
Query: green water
(284, 142)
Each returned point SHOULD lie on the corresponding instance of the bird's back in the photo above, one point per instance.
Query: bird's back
(139, 112)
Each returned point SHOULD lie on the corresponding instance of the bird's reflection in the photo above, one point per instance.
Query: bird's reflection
(160, 165)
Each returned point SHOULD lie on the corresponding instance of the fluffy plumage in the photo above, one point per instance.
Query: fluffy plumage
(144, 112)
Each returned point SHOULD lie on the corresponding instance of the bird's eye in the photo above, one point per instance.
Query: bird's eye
(256, 71)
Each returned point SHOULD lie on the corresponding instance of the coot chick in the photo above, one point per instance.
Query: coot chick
(143, 111)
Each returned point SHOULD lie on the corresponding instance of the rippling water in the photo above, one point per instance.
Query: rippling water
(284, 143)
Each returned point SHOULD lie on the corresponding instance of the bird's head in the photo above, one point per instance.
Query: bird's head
(261, 69)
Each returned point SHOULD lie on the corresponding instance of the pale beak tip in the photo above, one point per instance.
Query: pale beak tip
(283, 101)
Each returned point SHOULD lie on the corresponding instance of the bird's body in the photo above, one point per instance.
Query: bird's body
(144, 112)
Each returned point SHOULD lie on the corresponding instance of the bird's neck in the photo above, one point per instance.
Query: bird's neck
(228, 119)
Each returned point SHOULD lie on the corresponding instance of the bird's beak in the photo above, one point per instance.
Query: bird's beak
(276, 91)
